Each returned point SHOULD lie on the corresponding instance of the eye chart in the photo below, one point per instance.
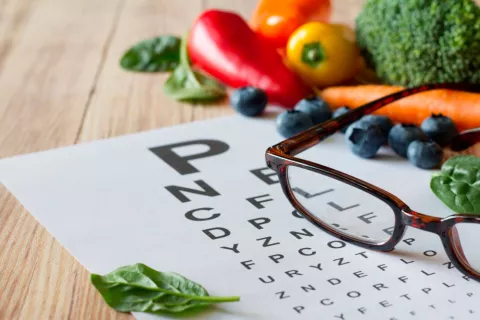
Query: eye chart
(198, 199)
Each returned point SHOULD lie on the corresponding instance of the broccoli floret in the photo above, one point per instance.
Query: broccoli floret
(414, 42)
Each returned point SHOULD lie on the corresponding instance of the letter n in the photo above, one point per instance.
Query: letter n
(205, 190)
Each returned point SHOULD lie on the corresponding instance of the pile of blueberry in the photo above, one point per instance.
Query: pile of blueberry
(422, 146)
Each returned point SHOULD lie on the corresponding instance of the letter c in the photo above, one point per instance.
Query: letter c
(190, 215)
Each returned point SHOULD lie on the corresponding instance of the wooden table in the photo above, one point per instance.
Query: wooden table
(61, 84)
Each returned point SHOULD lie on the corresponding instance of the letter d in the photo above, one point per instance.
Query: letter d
(217, 233)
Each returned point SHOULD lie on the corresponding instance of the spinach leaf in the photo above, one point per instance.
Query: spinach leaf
(140, 288)
(153, 55)
(458, 184)
(186, 85)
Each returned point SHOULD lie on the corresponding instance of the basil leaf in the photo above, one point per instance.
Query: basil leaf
(458, 184)
(153, 55)
(139, 288)
(186, 85)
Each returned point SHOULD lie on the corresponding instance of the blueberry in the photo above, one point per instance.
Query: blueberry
(316, 108)
(425, 154)
(383, 122)
(364, 139)
(402, 135)
(291, 122)
(439, 128)
(340, 112)
(249, 101)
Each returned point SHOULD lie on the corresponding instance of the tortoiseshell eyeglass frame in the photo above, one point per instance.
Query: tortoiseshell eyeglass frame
(282, 155)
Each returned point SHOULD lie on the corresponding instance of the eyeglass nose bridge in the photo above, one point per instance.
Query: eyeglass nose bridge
(421, 221)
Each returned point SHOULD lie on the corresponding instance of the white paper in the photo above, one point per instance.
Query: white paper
(108, 204)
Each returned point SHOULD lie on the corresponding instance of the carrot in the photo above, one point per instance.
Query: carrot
(462, 107)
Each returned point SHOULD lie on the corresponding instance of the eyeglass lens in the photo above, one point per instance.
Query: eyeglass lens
(465, 238)
(345, 208)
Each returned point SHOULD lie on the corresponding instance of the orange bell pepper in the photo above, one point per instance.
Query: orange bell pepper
(276, 20)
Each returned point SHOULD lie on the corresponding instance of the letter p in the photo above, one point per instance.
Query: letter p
(181, 163)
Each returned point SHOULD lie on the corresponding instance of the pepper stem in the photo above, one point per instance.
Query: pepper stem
(313, 54)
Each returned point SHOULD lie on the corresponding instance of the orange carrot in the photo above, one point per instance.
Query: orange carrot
(462, 107)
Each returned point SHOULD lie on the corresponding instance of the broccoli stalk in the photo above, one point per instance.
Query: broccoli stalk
(415, 42)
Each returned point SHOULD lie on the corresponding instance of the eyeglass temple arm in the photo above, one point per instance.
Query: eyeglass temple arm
(465, 139)
(320, 132)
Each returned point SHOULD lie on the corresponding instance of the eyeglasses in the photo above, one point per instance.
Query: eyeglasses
(382, 225)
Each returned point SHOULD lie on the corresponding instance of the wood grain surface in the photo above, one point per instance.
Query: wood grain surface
(61, 84)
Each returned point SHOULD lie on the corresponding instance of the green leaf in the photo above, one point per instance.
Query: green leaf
(139, 288)
(159, 54)
(458, 184)
(186, 85)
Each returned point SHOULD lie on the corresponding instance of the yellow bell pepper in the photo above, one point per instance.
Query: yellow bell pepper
(324, 54)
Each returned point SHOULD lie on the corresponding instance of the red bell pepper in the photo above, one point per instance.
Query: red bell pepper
(222, 45)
